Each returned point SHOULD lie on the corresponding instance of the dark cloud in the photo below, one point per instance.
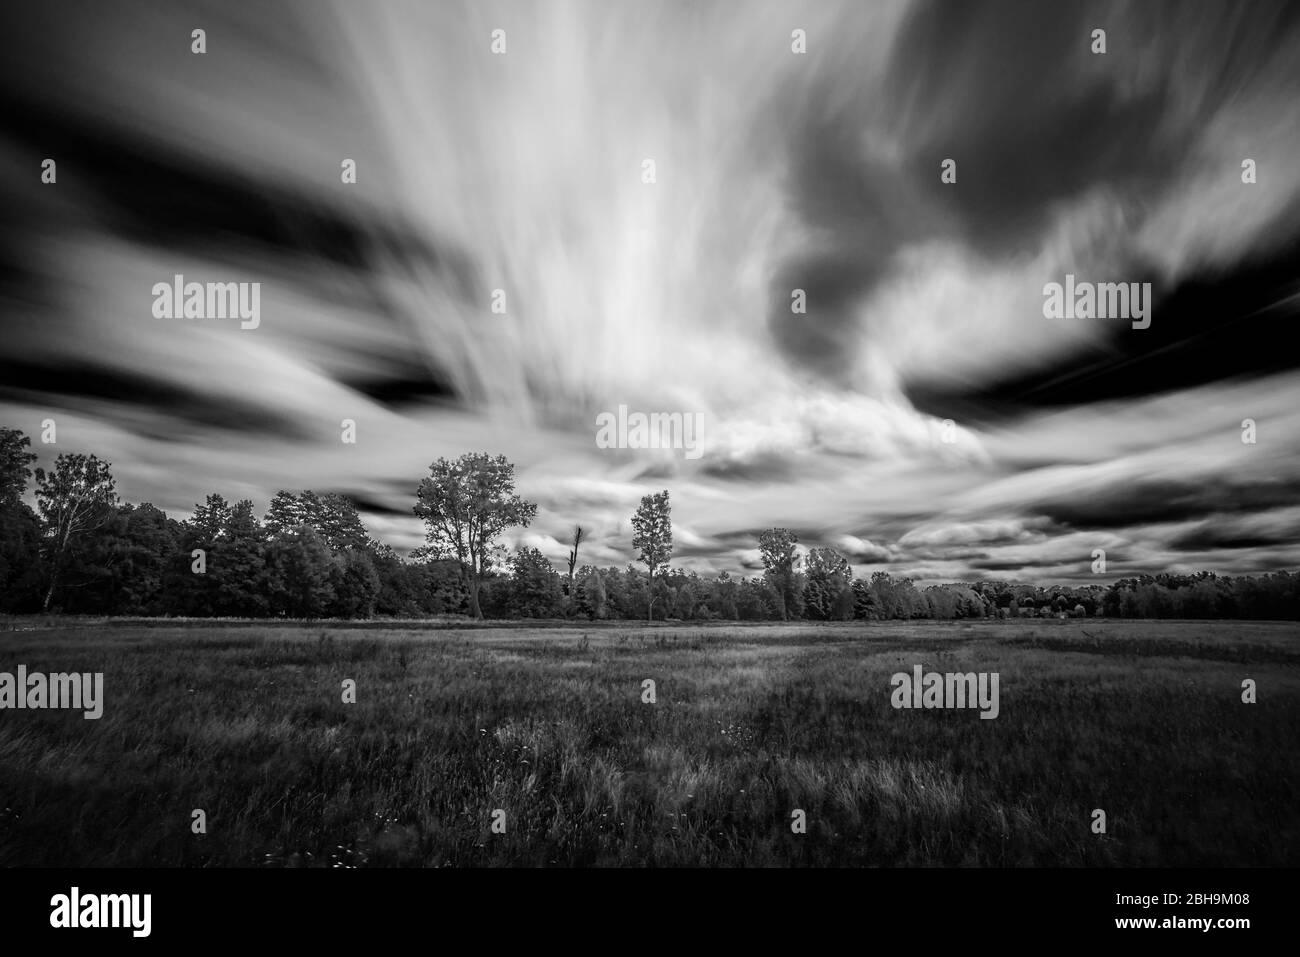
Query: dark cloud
(406, 387)
(163, 409)
(369, 503)
(1145, 501)
(1216, 326)
(1008, 564)
(1224, 534)
(858, 220)
(154, 193)
(1012, 92)
(151, 193)
(1010, 89)
(755, 469)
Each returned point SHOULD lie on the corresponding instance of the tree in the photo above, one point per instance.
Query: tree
(191, 593)
(722, 597)
(14, 462)
(686, 593)
(756, 600)
(829, 592)
(286, 512)
(236, 564)
(911, 603)
(333, 516)
(20, 566)
(427, 585)
(653, 538)
(75, 499)
(573, 559)
(141, 546)
(888, 598)
(779, 560)
(589, 593)
(465, 505)
(20, 529)
(355, 584)
(300, 569)
(622, 592)
(339, 523)
(237, 571)
(866, 605)
(210, 519)
(535, 588)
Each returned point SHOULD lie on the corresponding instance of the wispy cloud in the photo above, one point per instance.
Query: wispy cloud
(774, 171)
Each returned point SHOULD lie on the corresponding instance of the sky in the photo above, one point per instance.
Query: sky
(921, 414)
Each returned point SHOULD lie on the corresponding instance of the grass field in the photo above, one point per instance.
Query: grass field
(246, 721)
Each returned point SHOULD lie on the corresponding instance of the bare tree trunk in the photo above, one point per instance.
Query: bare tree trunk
(62, 537)
(474, 608)
(573, 558)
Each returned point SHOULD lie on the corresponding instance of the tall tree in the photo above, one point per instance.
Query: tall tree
(20, 529)
(355, 582)
(210, 519)
(286, 512)
(332, 515)
(722, 598)
(573, 557)
(829, 592)
(237, 564)
(14, 465)
(341, 524)
(465, 505)
(21, 569)
(534, 586)
(299, 571)
(590, 597)
(653, 538)
(777, 546)
(865, 603)
(75, 499)
(146, 547)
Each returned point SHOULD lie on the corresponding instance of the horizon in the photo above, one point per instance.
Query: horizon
(1102, 580)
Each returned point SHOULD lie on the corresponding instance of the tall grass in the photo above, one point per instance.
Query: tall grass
(1141, 719)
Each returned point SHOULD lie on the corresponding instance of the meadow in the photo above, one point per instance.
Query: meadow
(246, 721)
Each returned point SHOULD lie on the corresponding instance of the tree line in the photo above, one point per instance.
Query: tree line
(84, 551)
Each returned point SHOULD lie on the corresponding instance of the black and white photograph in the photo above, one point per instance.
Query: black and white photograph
(581, 436)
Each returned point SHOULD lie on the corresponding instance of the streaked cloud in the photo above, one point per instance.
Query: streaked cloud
(921, 416)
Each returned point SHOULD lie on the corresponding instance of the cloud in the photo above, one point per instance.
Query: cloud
(921, 414)
(859, 551)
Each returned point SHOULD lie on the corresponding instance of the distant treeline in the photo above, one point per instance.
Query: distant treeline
(310, 556)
